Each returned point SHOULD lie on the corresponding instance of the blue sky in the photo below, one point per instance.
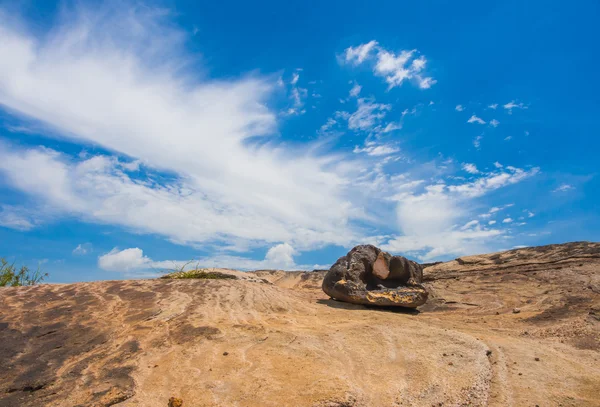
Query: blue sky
(135, 137)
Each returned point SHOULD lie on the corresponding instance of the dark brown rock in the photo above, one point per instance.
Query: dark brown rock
(370, 276)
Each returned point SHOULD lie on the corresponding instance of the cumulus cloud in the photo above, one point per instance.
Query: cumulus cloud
(124, 260)
(493, 106)
(394, 67)
(494, 123)
(459, 108)
(475, 119)
(477, 142)
(507, 220)
(280, 256)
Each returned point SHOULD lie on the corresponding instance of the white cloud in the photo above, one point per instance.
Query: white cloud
(280, 256)
(564, 188)
(297, 96)
(492, 222)
(512, 105)
(295, 78)
(470, 225)
(97, 190)
(507, 220)
(82, 249)
(392, 126)
(19, 218)
(412, 111)
(459, 108)
(146, 102)
(124, 260)
(395, 68)
(493, 106)
(428, 219)
(477, 141)
(206, 179)
(475, 119)
(367, 115)
(374, 149)
(530, 214)
(357, 55)
(507, 138)
(355, 91)
(470, 168)
(426, 83)
(497, 165)
(494, 123)
(493, 180)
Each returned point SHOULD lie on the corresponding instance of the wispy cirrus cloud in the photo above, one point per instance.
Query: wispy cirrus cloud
(197, 160)
(563, 188)
(145, 103)
(82, 249)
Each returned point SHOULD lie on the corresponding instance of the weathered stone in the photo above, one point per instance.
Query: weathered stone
(370, 276)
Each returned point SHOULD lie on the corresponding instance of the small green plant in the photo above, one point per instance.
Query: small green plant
(10, 276)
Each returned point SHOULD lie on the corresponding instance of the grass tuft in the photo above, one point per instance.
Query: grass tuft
(10, 276)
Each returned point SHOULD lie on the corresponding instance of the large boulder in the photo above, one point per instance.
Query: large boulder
(367, 275)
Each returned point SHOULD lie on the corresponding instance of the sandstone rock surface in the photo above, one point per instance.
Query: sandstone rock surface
(137, 343)
(369, 276)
